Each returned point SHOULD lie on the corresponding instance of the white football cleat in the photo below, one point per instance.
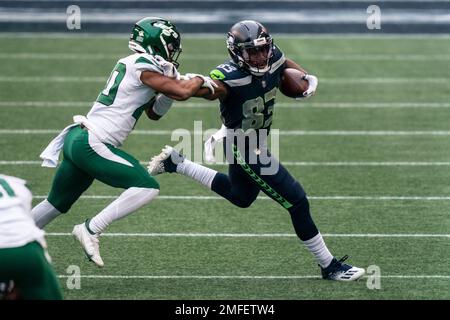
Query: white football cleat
(89, 242)
(166, 161)
(339, 271)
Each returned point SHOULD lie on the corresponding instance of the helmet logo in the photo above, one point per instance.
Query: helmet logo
(166, 30)
(260, 41)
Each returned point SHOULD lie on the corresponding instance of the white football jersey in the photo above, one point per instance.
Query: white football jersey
(121, 103)
(17, 227)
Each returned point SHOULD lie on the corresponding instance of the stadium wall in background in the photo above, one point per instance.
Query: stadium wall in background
(215, 16)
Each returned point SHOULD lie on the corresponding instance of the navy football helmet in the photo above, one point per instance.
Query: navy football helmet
(251, 46)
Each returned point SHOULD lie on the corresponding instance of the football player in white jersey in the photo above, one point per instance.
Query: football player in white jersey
(23, 256)
(146, 81)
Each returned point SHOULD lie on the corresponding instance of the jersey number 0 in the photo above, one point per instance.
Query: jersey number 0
(108, 95)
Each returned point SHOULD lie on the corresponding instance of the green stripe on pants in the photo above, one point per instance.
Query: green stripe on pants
(272, 193)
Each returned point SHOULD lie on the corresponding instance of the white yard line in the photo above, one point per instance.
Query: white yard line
(336, 81)
(298, 163)
(339, 198)
(282, 132)
(213, 105)
(46, 104)
(263, 277)
(257, 235)
(308, 56)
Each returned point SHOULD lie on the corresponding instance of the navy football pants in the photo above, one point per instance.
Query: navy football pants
(246, 178)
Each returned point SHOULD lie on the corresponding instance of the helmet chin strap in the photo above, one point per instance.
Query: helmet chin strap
(258, 72)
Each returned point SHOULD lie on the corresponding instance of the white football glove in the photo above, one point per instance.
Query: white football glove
(207, 81)
(169, 70)
(312, 87)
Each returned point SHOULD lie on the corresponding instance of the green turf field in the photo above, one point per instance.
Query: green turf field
(372, 149)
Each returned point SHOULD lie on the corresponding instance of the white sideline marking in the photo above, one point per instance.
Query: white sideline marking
(376, 198)
(309, 56)
(258, 235)
(282, 132)
(299, 163)
(213, 105)
(268, 277)
(338, 81)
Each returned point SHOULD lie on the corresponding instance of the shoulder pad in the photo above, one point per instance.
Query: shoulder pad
(231, 75)
(227, 71)
(146, 61)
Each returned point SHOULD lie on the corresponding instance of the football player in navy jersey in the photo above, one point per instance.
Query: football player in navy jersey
(246, 88)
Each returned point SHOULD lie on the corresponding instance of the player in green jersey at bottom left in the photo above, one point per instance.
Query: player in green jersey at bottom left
(25, 266)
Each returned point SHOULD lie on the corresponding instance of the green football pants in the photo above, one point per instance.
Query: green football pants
(33, 275)
(86, 159)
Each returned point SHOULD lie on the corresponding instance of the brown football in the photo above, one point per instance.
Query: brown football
(292, 85)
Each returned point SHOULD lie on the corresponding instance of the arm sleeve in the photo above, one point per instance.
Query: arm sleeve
(162, 105)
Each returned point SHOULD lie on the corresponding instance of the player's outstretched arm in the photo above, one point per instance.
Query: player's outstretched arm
(220, 92)
(176, 89)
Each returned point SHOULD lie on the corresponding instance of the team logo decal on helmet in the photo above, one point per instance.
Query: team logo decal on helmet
(156, 36)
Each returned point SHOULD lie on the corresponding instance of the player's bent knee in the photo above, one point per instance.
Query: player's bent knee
(301, 205)
(301, 208)
(138, 197)
(148, 182)
(242, 203)
(302, 220)
(61, 204)
(148, 194)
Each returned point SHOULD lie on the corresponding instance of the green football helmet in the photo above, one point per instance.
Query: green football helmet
(156, 36)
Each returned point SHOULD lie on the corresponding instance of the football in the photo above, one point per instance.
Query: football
(292, 85)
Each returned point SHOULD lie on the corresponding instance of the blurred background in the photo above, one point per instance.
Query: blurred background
(207, 16)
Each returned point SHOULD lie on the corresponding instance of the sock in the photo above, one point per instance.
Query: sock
(44, 213)
(202, 174)
(129, 201)
(317, 247)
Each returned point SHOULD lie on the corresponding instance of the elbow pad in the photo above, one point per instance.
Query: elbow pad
(162, 105)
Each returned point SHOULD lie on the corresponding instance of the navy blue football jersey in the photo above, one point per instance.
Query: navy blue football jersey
(250, 100)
